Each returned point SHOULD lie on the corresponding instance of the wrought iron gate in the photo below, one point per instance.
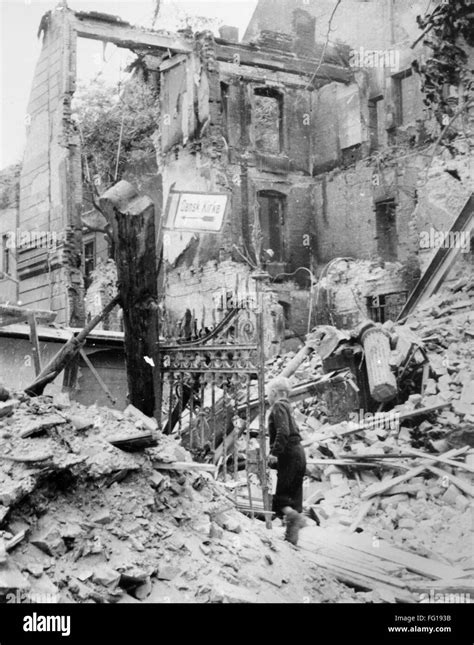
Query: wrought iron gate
(212, 397)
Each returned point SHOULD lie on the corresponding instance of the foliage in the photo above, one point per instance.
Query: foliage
(448, 29)
(115, 122)
(9, 186)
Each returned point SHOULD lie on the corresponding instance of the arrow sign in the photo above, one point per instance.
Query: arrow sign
(199, 212)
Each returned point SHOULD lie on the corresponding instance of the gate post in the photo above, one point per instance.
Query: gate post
(261, 277)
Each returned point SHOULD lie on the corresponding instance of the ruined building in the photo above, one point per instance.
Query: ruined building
(323, 149)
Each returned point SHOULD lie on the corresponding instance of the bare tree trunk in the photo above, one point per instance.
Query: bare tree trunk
(132, 219)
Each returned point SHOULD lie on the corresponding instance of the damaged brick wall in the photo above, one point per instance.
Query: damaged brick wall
(217, 148)
(50, 181)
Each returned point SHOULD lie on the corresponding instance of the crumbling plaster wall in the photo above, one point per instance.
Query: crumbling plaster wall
(344, 200)
(220, 155)
(50, 181)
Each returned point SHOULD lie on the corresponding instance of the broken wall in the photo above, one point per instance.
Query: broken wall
(9, 195)
(50, 181)
(345, 200)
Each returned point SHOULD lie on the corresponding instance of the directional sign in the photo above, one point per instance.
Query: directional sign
(199, 212)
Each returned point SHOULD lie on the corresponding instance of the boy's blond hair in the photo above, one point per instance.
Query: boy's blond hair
(280, 386)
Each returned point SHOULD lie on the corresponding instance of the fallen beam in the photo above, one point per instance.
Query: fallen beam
(462, 485)
(126, 35)
(67, 353)
(441, 263)
(443, 460)
(184, 465)
(389, 418)
(379, 489)
(132, 442)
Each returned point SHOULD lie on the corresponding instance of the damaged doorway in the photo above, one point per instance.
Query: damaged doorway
(386, 230)
(271, 208)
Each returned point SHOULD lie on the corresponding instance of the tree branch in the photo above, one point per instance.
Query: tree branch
(326, 44)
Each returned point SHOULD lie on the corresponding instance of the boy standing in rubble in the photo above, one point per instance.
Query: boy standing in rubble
(287, 454)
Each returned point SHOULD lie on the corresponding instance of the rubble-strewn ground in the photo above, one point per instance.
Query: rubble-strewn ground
(104, 526)
(85, 521)
(427, 514)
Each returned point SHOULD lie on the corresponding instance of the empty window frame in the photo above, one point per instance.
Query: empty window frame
(268, 120)
(225, 108)
(272, 221)
(408, 97)
(386, 230)
(386, 306)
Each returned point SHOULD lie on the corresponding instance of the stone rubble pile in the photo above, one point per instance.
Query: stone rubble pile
(431, 511)
(82, 520)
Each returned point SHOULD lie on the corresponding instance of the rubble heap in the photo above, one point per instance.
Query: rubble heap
(86, 521)
(406, 476)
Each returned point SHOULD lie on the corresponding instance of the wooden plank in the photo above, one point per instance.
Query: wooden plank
(443, 460)
(11, 314)
(462, 485)
(460, 585)
(34, 343)
(136, 441)
(389, 418)
(357, 560)
(184, 465)
(424, 566)
(379, 489)
(355, 578)
(356, 464)
(254, 57)
(66, 353)
(123, 34)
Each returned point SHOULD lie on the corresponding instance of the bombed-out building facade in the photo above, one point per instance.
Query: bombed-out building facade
(322, 148)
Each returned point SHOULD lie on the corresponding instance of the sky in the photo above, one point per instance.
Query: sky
(20, 48)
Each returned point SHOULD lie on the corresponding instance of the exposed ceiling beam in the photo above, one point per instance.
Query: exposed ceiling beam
(125, 35)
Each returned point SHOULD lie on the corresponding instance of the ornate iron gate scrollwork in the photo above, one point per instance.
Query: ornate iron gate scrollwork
(212, 392)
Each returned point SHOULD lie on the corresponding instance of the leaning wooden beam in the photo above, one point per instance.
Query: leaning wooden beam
(379, 489)
(35, 343)
(132, 219)
(67, 353)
